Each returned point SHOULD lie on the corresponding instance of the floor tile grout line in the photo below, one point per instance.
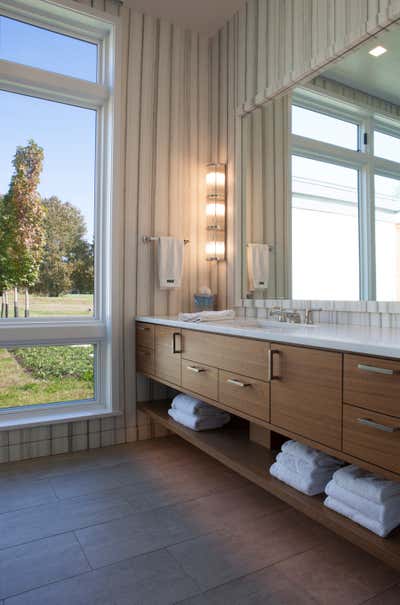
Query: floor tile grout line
(381, 593)
(256, 570)
(18, 594)
(83, 551)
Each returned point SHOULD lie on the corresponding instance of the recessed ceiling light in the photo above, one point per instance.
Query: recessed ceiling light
(378, 51)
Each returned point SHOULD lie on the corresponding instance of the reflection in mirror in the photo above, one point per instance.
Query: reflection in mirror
(321, 183)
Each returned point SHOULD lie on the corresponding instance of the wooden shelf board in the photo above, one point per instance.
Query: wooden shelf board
(231, 446)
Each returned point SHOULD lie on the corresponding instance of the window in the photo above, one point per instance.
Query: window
(325, 128)
(345, 202)
(324, 230)
(29, 45)
(58, 88)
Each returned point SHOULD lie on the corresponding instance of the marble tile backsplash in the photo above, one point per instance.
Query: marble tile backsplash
(348, 313)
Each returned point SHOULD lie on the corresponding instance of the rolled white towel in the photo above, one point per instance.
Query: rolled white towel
(190, 405)
(198, 423)
(378, 528)
(366, 484)
(310, 455)
(306, 470)
(386, 513)
(310, 487)
(207, 316)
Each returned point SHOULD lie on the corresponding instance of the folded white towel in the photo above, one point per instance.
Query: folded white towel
(310, 487)
(191, 405)
(380, 529)
(306, 470)
(386, 513)
(207, 316)
(366, 484)
(258, 266)
(199, 423)
(310, 455)
(201, 412)
(170, 262)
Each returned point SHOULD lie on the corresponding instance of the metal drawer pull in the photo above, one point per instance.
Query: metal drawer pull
(271, 353)
(174, 347)
(143, 328)
(376, 370)
(237, 383)
(379, 427)
(194, 369)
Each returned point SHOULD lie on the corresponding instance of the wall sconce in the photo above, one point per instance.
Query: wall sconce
(216, 211)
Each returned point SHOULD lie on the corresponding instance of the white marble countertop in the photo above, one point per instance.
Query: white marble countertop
(356, 339)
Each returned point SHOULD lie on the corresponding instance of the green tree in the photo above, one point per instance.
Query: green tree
(64, 228)
(82, 274)
(21, 221)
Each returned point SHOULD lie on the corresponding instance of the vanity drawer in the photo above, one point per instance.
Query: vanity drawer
(372, 383)
(200, 378)
(144, 335)
(145, 360)
(244, 394)
(239, 355)
(372, 437)
(167, 354)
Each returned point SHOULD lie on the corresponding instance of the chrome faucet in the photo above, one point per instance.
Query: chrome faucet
(293, 317)
(278, 312)
(308, 316)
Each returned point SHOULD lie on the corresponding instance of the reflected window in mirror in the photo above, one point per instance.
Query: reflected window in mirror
(345, 208)
(325, 246)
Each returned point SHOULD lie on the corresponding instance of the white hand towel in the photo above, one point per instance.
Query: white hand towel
(170, 262)
(349, 512)
(198, 423)
(310, 487)
(190, 405)
(306, 470)
(207, 316)
(258, 266)
(386, 513)
(366, 484)
(310, 455)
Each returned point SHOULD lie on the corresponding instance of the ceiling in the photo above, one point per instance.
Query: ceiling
(376, 76)
(205, 16)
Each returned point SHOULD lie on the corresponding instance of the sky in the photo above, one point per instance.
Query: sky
(66, 133)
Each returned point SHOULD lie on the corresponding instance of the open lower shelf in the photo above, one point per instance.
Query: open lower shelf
(231, 446)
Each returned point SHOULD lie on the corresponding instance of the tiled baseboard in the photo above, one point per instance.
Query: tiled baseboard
(71, 437)
(357, 313)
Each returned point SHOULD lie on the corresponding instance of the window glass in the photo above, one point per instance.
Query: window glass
(37, 47)
(54, 222)
(321, 127)
(39, 375)
(386, 146)
(387, 238)
(325, 246)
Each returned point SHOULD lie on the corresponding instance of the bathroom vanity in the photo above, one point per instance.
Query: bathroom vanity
(336, 388)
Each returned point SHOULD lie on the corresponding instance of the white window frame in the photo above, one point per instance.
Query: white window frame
(362, 160)
(105, 96)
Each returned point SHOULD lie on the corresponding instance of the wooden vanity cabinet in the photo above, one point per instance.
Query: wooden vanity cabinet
(306, 393)
(167, 354)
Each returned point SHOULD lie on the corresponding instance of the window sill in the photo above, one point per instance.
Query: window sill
(41, 417)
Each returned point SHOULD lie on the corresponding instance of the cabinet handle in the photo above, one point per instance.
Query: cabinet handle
(194, 369)
(143, 328)
(377, 426)
(237, 383)
(174, 348)
(375, 370)
(271, 354)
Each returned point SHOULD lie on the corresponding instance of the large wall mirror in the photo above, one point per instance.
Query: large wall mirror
(321, 183)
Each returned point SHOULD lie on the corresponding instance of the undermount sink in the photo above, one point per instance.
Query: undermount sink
(270, 324)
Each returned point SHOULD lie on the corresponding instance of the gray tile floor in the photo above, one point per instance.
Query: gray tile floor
(159, 522)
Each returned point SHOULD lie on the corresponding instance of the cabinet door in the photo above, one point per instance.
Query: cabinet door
(306, 393)
(167, 353)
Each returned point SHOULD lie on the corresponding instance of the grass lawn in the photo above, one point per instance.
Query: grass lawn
(35, 375)
(41, 306)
